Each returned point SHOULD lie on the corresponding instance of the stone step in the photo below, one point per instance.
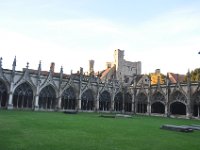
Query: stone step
(177, 128)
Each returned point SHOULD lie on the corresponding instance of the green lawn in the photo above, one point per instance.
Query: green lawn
(26, 130)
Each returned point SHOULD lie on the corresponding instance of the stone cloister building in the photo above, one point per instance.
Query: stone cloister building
(50, 91)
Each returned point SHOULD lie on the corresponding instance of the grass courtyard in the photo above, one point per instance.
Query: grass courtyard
(27, 130)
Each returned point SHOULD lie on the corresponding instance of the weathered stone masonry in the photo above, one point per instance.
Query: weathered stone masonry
(50, 91)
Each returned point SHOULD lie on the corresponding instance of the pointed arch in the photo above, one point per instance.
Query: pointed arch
(87, 100)
(128, 102)
(141, 103)
(23, 96)
(47, 98)
(104, 101)
(178, 96)
(158, 97)
(68, 100)
(118, 102)
(177, 108)
(158, 107)
(195, 104)
(3, 95)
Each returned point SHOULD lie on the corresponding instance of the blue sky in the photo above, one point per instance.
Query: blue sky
(162, 34)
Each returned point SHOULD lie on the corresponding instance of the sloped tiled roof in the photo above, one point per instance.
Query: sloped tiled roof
(105, 72)
(176, 77)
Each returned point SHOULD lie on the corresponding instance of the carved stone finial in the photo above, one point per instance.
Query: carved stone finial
(0, 62)
(61, 69)
(61, 72)
(39, 66)
(27, 65)
(14, 62)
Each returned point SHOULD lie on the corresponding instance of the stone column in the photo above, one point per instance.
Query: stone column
(149, 108)
(112, 104)
(10, 101)
(188, 111)
(188, 102)
(166, 110)
(133, 104)
(59, 102)
(97, 104)
(36, 107)
(132, 108)
(148, 105)
(79, 103)
(123, 101)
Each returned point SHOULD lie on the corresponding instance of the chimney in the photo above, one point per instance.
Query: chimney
(91, 67)
(52, 67)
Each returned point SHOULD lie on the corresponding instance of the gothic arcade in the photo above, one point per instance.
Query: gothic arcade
(49, 91)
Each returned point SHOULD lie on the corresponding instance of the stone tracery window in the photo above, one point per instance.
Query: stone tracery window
(68, 100)
(128, 102)
(23, 96)
(87, 100)
(104, 101)
(118, 102)
(158, 97)
(47, 98)
(3, 95)
(196, 104)
(141, 103)
(178, 96)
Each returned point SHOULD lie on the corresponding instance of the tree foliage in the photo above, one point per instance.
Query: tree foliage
(195, 74)
(157, 76)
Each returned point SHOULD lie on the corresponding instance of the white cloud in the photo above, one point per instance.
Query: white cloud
(169, 42)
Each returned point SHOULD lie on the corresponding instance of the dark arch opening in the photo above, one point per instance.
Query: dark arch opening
(196, 110)
(128, 103)
(158, 107)
(178, 108)
(141, 106)
(87, 100)
(118, 102)
(68, 100)
(3, 95)
(196, 104)
(23, 96)
(47, 98)
(104, 101)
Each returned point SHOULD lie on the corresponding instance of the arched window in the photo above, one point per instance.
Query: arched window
(196, 104)
(104, 101)
(68, 100)
(3, 95)
(23, 96)
(178, 108)
(118, 102)
(178, 96)
(47, 98)
(158, 107)
(87, 100)
(158, 97)
(141, 101)
(128, 102)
